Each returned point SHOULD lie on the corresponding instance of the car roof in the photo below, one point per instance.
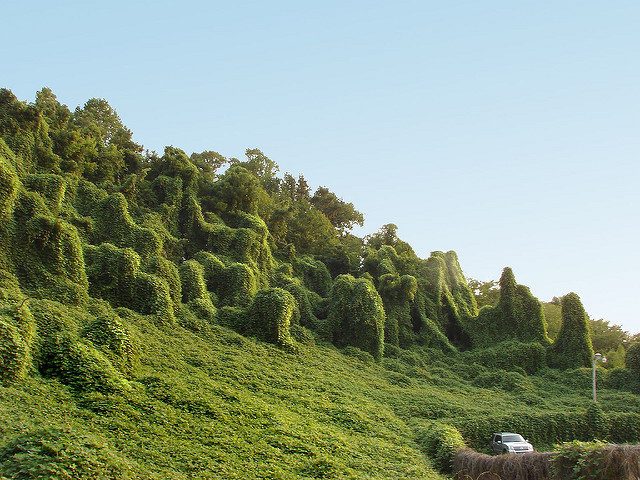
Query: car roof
(506, 433)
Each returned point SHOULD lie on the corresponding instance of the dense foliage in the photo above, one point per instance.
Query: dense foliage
(177, 316)
(573, 346)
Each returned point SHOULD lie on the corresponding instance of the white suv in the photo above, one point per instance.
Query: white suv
(506, 442)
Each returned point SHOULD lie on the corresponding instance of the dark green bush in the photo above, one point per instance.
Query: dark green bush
(114, 224)
(269, 316)
(48, 253)
(444, 298)
(623, 379)
(440, 442)
(192, 281)
(79, 365)
(356, 315)
(595, 421)
(623, 427)
(304, 310)
(213, 270)
(302, 335)
(50, 187)
(239, 285)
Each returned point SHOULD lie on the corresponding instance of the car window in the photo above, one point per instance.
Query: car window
(513, 438)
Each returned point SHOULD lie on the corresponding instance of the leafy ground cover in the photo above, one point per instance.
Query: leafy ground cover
(219, 405)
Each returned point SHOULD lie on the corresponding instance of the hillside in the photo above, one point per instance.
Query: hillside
(193, 316)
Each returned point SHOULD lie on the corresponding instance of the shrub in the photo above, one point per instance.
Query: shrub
(79, 365)
(48, 256)
(167, 270)
(572, 348)
(151, 296)
(315, 275)
(624, 427)
(304, 310)
(356, 315)
(213, 270)
(632, 359)
(398, 293)
(14, 353)
(52, 318)
(239, 286)
(302, 335)
(623, 379)
(355, 352)
(595, 421)
(109, 333)
(61, 454)
(269, 316)
(192, 281)
(17, 329)
(444, 298)
(114, 275)
(114, 224)
(440, 442)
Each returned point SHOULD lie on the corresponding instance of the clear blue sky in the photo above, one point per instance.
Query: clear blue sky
(504, 130)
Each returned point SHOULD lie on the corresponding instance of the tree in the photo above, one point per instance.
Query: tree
(309, 230)
(606, 337)
(303, 191)
(486, 293)
(239, 189)
(261, 166)
(208, 161)
(54, 113)
(98, 118)
(387, 235)
(341, 214)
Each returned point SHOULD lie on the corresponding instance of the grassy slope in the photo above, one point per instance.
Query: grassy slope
(229, 407)
(218, 405)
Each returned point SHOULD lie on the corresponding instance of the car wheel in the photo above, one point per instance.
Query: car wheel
(505, 452)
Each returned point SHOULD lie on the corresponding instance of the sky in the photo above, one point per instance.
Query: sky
(504, 130)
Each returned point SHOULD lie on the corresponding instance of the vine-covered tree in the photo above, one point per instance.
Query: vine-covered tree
(573, 346)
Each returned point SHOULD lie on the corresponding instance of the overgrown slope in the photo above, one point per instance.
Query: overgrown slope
(195, 316)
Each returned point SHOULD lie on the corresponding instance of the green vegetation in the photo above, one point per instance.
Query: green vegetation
(573, 346)
(176, 316)
(518, 316)
(356, 315)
